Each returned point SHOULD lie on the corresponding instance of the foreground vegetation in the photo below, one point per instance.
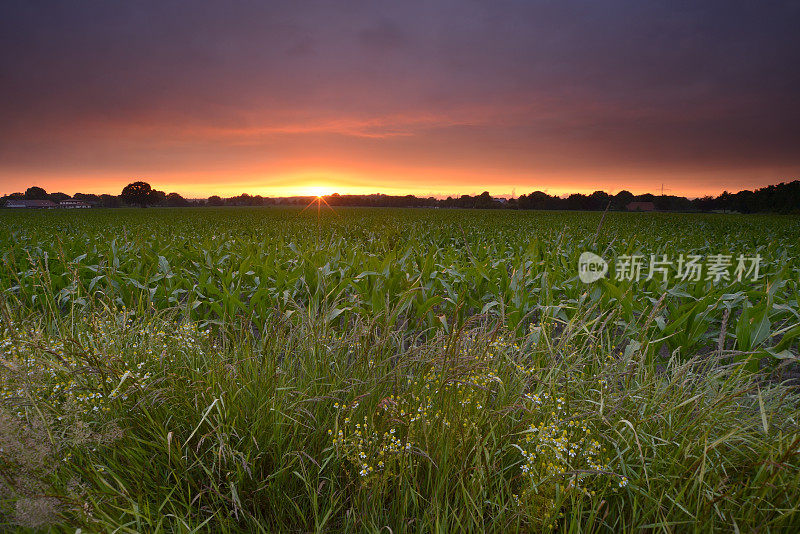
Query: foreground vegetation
(263, 371)
(433, 268)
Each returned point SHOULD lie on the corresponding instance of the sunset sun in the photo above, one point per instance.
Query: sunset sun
(318, 190)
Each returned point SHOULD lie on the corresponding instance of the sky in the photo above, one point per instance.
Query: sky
(427, 98)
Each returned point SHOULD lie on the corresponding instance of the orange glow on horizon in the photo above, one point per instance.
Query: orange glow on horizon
(351, 179)
(316, 190)
(343, 157)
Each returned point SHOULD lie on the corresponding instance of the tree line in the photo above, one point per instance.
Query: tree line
(781, 198)
(134, 194)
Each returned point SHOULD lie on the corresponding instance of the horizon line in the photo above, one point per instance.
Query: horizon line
(438, 196)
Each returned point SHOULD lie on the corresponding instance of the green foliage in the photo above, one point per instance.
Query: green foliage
(262, 370)
(242, 433)
(412, 269)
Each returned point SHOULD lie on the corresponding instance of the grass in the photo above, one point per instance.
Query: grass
(302, 379)
(231, 433)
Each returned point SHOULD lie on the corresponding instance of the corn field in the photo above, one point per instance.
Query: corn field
(421, 269)
(272, 369)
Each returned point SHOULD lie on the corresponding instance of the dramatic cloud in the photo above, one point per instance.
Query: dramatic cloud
(423, 97)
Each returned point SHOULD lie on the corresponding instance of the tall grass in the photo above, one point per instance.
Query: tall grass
(235, 429)
(259, 371)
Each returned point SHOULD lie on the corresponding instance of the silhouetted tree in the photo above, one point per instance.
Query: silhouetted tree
(89, 198)
(110, 201)
(158, 198)
(576, 201)
(35, 193)
(622, 199)
(484, 200)
(215, 200)
(176, 201)
(58, 197)
(138, 193)
(598, 200)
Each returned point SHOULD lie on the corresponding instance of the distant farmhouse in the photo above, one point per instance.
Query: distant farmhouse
(15, 203)
(641, 206)
(31, 204)
(73, 204)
